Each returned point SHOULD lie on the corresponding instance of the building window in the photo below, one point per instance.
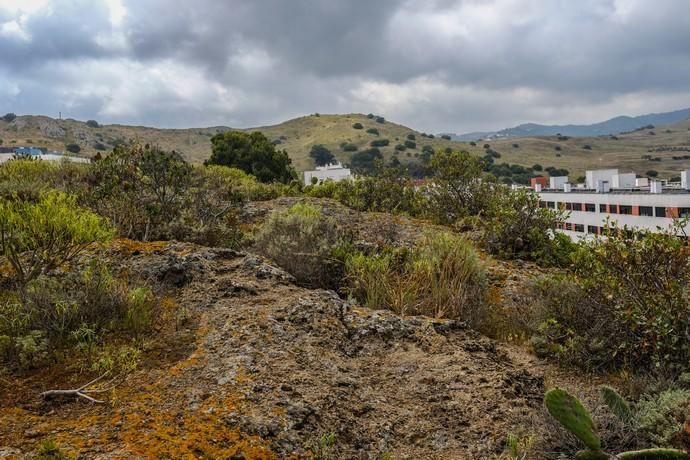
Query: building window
(602, 208)
(568, 226)
(579, 228)
(542, 204)
(624, 209)
(550, 204)
(589, 207)
(660, 211)
(592, 229)
(647, 211)
(613, 208)
(683, 212)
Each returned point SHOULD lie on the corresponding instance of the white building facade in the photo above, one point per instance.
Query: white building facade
(651, 207)
(335, 172)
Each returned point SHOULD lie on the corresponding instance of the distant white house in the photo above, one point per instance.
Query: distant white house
(38, 154)
(335, 172)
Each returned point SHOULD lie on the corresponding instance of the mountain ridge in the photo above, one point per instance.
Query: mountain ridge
(612, 126)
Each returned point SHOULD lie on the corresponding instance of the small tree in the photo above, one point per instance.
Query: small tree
(652, 173)
(412, 137)
(410, 144)
(446, 137)
(92, 124)
(73, 148)
(8, 117)
(357, 126)
(36, 237)
(321, 155)
(373, 131)
(254, 154)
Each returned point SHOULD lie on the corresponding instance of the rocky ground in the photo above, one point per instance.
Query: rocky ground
(265, 369)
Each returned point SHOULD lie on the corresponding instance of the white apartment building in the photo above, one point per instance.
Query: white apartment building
(335, 172)
(608, 195)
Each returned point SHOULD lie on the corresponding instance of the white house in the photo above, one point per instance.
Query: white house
(335, 172)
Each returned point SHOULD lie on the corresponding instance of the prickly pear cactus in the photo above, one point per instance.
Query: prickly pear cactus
(573, 416)
(591, 455)
(654, 454)
(616, 403)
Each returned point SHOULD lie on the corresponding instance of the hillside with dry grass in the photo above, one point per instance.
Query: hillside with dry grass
(667, 145)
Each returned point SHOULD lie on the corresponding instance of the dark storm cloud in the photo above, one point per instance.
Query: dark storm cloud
(436, 65)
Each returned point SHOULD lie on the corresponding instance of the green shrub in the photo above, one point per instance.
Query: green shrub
(37, 237)
(349, 147)
(400, 148)
(518, 228)
(441, 277)
(73, 148)
(357, 126)
(50, 450)
(141, 189)
(9, 117)
(411, 137)
(321, 155)
(410, 144)
(662, 418)
(140, 309)
(301, 240)
(373, 131)
(379, 142)
(92, 124)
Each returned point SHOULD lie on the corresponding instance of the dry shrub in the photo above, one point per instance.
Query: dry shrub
(302, 241)
(442, 277)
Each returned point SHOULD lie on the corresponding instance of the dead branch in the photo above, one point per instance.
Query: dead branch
(84, 391)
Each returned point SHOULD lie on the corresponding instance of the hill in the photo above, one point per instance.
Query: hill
(615, 125)
(665, 145)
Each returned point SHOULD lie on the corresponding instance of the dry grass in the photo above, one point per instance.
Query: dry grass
(299, 134)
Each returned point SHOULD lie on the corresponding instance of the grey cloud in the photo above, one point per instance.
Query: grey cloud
(485, 62)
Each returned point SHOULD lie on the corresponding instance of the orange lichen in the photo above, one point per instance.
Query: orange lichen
(129, 247)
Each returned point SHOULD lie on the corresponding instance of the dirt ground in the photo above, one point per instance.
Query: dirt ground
(265, 369)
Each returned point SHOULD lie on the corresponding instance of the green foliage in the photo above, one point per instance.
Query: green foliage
(570, 413)
(616, 404)
(441, 277)
(380, 120)
(140, 189)
(446, 137)
(518, 228)
(411, 137)
(301, 240)
(92, 124)
(357, 126)
(71, 311)
(139, 314)
(661, 418)
(366, 161)
(321, 155)
(537, 167)
(349, 147)
(400, 148)
(37, 237)
(459, 190)
(410, 144)
(652, 173)
(50, 450)
(373, 131)
(254, 154)
(9, 117)
(379, 143)
(640, 281)
(73, 148)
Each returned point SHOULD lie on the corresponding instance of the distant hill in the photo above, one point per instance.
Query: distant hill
(615, 125)
(663, 149)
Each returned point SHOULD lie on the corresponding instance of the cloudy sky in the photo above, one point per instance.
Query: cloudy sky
(435, 65)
